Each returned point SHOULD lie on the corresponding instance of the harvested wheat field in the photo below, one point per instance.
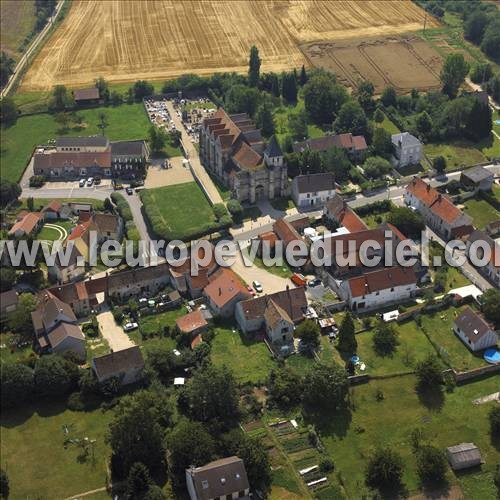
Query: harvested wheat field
(403, 62)
(127, 40)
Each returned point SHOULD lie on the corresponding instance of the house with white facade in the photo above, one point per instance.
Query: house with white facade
(64, 271)
(474, 331)
(491, 270)
(407, 149)
(379, 288)
(313, 190)
(438, 211)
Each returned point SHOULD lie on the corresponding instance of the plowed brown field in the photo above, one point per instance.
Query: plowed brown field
(126, 40)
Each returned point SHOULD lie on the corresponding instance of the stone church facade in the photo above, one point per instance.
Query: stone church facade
(232, 148)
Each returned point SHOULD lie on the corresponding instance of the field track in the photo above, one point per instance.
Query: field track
(127, 40)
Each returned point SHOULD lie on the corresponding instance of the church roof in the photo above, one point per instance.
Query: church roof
(273, 148)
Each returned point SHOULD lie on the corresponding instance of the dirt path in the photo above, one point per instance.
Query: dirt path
(114, 334)
(86, 493)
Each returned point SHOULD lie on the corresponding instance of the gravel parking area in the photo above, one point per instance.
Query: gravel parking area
(177, 174)
(114, 334)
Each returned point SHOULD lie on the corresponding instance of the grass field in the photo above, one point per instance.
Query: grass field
(35, 459)
(283, 271)
(183, 210)
(350, 437)
(439, 328)
(220, 35)
(127, 121)
(481, 212)
(250, 360)
(457, 153)
(154, 323)
(17, 21)
(388, 125)
(51, 234)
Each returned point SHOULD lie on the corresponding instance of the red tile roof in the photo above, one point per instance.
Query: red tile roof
(285, 231)
(382, 279)
(441, 205)
(53, 206)
(27, 223)
(246, 157)
(224, 286)
(191, 322)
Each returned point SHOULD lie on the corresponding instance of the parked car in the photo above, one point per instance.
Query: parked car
(82, 182)
(127, 327)
(129, 191)
(299, 279)
(257, 287)
(97, 181)
(251, 290)
(314, 282)
(90, 181)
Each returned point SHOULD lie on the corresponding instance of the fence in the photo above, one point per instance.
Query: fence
(475, 373)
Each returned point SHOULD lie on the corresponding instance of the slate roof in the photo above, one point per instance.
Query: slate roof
(118, 362)
(82, 141)
(312, 183)
(128, 148)
(472, 324)
(63, 331)
(405, 139)
(477, 174)
(219, 478)
(273, 148)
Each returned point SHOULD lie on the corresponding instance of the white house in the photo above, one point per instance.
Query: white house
(379, 288)
(407, 149)
(70, 271)
(438, 211)
(312, 190)
(474, 331)
(224, 478)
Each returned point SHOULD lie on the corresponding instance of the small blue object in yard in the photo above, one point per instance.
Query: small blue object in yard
(355, 359)
(492, 356)
(497, 122)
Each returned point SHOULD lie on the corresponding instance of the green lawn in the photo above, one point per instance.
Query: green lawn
(34, 456)
(282, 204)
(179, 212)
(51, 234)
(127, 121)
(350, 437)
(39, 203)
(388, 125)
(249, 360)
(457, 153)
(439, 328)
(11, 353)
(154, 323)
(481, 212)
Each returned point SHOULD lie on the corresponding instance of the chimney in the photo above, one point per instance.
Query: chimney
(428, 187)
(220, 291)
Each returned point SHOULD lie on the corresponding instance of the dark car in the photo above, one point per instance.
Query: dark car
(129, 190)
(314, 282)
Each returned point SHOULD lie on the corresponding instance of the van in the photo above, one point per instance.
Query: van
(299, 279)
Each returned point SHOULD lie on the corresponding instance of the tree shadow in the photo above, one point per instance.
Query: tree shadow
(329, 423)
(430, 397)
(495, 441)
(433, 489)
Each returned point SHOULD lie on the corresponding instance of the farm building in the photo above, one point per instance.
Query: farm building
(463, 456)
(27, 223)
(87, 96)
(354, 145)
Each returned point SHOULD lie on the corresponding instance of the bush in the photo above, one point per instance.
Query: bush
(326, 465)
(37, 181)
(122, 206)
(431, 464)
(75, 402)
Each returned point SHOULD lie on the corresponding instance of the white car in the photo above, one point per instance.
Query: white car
(130, 326)
(90, 181)
(257, 287)
(82, 182)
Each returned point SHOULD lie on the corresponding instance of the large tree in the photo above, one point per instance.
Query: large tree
(382, 142)
(490, 301)
(429, 373)
(254, 67)
(188, 444)
(384, 470)
(17, 384)
(138, 482)
(491, 40)
(323, 98)
(8, 111)
(385, 339)
(409, 222)
(289, 87)
(61, 99)
(337, 162)
(325, 386)
(431, 465)
(364, 94)
(309, 334)
(475, 26)
(347, 340)
(55, 376)
(212, 397)
(7, 278)
(285, 387)
(453, 73)
(376, 167)
(7, 65)
(479, 121)
(20, 320)
(9, 192)
(136, 432)
(297, 123)
(388, 97)
(264, 119)
(351, 118)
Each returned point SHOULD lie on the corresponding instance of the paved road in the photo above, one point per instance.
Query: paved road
(34, 44)
(194, 158)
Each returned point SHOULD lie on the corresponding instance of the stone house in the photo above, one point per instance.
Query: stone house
(126, 365)
(407, 149)
(477, 178)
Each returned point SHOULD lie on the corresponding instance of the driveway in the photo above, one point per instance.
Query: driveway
(114, 334)
(194, 158)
